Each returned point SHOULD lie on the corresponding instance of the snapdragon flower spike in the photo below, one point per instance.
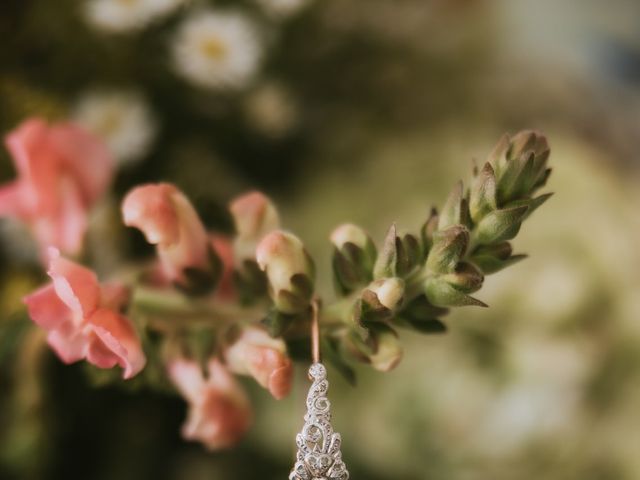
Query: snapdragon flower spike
(83, 318)
(219, 409)
(168, 220)
(354, 257)
(290, 272)
(254, 352)
(62, 172)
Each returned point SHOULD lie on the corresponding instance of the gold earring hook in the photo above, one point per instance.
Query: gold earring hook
(315, 332)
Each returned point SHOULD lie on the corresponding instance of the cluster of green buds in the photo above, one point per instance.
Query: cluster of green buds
(414, 278)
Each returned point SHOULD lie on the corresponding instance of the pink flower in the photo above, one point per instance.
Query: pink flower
(254, 216)
(82, 318)
(62, 171)
(219, 410)
(169, 221)
(265, 358)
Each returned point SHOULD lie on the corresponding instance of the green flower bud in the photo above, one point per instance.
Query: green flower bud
(353, 259)
(387, 260)
(441, 293)
(427, 231)
(455, 210)
(525, 168)
(466, 278)
(482, 196)
(289, 269)
(449, 246)
(499, 225)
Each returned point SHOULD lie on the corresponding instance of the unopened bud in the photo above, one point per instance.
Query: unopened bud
(482, 196)
(390, 291)
(449, 246)
(441, 293)
(354, 257)
(289, 269)
(500, 225)
(387, 349)
(254, 216)
(466, 278)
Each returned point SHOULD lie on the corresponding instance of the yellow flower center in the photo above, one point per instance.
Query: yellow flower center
(214, 48)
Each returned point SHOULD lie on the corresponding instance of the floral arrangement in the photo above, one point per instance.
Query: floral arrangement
(209, 307)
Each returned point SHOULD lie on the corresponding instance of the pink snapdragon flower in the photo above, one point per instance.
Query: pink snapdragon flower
(265, 358)
(219, 410)
(168, 220)
(62, 172)
(82, 318)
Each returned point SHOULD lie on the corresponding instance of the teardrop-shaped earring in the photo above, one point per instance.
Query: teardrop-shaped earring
(319, 456)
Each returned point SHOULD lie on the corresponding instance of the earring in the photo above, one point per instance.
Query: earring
(319, 456)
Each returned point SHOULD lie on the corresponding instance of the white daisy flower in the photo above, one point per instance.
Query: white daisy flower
(126, 15)
(122, 119)
(217, 49)
(271, 110)
(282, 8)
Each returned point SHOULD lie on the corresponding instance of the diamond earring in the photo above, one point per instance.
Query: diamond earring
(319, 456)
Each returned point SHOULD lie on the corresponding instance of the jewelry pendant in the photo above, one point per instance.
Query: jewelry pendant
(319, 456)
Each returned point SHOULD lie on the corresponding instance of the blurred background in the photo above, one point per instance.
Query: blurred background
(362, 111)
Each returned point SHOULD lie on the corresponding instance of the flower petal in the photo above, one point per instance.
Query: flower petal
(281, 380)
(65, 227)
(76, 285)
(187, 376)
(118, 336)
(69, 343)
(150, 209)
(12, 201)
(85, 156)
(46, 309)
(220, 414)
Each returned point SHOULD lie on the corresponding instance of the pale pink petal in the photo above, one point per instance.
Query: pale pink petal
(150, 209)
(76, 285)
(100, 355)
(220, 413)
(120, 338)
(37, 164)
(272, 369)
(64, 228)
(254, 215)
(46, 309)
(192, 249)
(187, 376)
(85, 156)
(168, 220)
(219, 422)
(69, 343)
(255, 353)
(12, 200)
(281, 380)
